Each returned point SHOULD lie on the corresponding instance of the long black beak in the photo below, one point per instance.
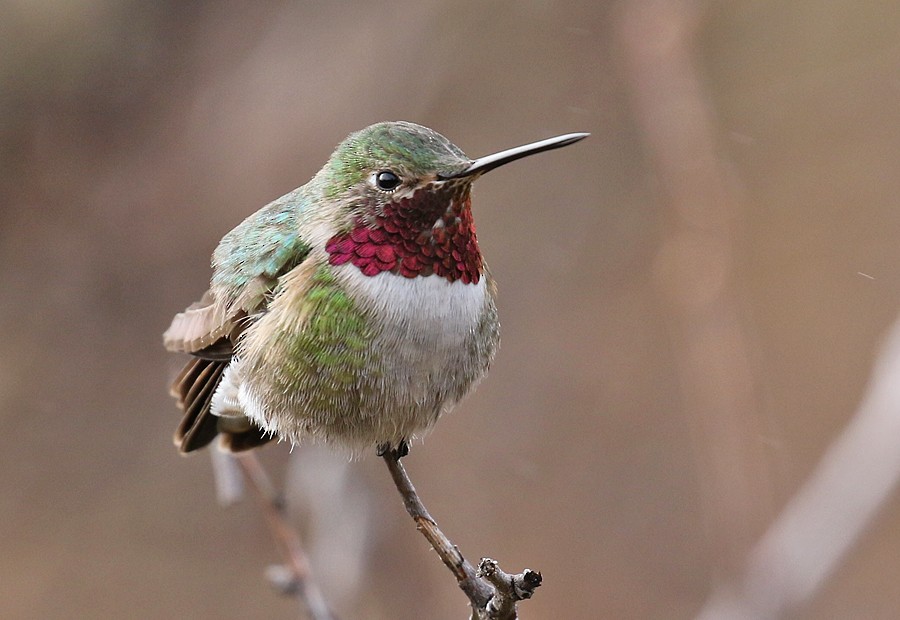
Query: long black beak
(489, 162)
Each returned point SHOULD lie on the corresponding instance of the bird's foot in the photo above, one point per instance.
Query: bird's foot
(397, 453)
(402, 449)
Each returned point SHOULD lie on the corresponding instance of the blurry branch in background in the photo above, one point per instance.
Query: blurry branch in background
(694, 272)
(228, 478)
(293, 577)
(808, 540)
(818, 526)
(492, 593)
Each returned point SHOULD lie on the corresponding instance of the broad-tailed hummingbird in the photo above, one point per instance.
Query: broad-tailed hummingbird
(354, 310)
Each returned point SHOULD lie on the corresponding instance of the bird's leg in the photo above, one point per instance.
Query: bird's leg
(398, 453)
(402, 449)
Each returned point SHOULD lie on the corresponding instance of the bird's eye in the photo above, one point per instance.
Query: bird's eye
(387, 180)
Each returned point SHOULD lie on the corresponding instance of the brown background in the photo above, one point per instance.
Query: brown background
(133, 135)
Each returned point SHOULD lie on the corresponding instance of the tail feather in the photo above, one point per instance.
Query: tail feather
(194, 389)
(199, 426)
(204, 383)
(185, 379)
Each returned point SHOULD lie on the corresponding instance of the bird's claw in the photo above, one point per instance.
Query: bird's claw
(397, 453)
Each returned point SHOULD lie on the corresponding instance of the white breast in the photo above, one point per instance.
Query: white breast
(425, 309)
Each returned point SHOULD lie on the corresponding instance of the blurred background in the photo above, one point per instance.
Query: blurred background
(692, 299)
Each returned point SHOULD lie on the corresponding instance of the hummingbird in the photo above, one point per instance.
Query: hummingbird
(354, 310)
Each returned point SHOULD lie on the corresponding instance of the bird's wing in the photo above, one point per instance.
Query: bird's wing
(246, 267)
(208, 327)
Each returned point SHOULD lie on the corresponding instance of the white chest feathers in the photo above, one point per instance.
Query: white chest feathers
(426, 309)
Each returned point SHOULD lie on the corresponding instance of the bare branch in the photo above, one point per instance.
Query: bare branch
(492, 593)
(294, 577)
(508, 589)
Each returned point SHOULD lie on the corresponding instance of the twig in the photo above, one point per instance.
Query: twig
(818, 527)
(295, 576)
(509, 589)
(492, 593)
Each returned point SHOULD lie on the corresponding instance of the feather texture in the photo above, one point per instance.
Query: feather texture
(194, 388)
(343, 311)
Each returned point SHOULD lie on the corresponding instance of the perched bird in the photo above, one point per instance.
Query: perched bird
(354, 310)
